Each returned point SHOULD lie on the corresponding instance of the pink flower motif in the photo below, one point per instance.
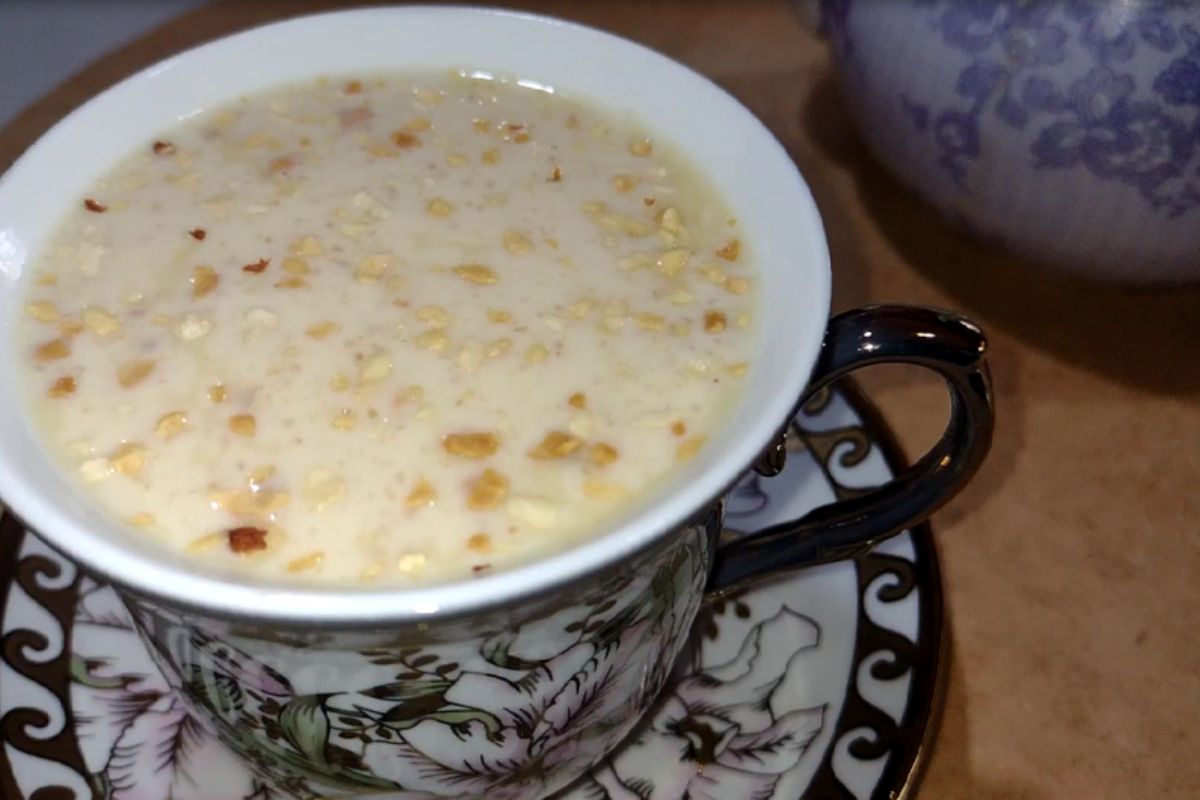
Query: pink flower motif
(130, 725)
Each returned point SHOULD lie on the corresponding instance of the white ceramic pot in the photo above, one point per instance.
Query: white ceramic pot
(1066, 130)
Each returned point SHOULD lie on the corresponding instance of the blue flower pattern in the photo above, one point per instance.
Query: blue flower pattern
(1146, 136)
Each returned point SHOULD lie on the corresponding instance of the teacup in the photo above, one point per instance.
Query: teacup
(512, 684)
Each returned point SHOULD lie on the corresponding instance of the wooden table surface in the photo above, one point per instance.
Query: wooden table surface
(1071, 563)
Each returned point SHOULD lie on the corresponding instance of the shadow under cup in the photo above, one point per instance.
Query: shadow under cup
(510, 685)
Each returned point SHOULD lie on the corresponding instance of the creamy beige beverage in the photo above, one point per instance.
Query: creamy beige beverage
(402, 329)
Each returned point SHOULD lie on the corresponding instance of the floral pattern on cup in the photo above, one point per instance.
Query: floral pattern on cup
(723, 718)
(508, 713)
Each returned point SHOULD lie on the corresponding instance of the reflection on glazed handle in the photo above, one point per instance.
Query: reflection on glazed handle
(939, 340)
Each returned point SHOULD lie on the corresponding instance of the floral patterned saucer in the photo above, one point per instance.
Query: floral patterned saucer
(819, 685)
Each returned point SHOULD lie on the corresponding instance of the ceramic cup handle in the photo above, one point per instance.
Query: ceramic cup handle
(939, 340)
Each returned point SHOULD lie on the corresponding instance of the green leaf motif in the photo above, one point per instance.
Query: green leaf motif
(294, 767)
(224, 694)
(456, 716)
(81, 673)
(306, 727)
(495, 651)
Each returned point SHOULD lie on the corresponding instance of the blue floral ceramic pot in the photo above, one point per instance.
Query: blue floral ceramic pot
(1067, 130)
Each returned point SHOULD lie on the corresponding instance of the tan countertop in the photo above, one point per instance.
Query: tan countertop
(1072, 563)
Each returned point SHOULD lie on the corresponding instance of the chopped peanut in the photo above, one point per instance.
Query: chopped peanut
(471, 445)
(69, 328)
(577, 400)
(536, 354)
(260, 475)
(52, 350)
(308, 246)
(439, 207)
(418, 125)
(247, 539)
(243, 424)
(376, 369)
(193, 327)
(204, 280)
(609, 491)
(672, 262)
(422, 494)
(216, 393)
(498, 316)
(129, 458)
(207, 542)
(602, 454)
(371, 268)
(345, 419)
(470, 355)
(477, 273)
(435, 340)
(641, 147)
(714, 321)
(556, 444)
(498, 348)
(491, 156)
(651, 322)
(323, 488)
(488, 491)
(671, 222)
(689, 448)
(434, 316)
(95, 470)
(625, 183)
(736, 285)
(306, 562)
(100, 322)
(533, 511)
(132, 373)
(517, 243)
(63, 387)
(411, 562)
(730, 251)
(623, 223)
(405, 140)
(43, 311)
(319, 330)
(294, 265)
(170, 425)
(251, 502)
